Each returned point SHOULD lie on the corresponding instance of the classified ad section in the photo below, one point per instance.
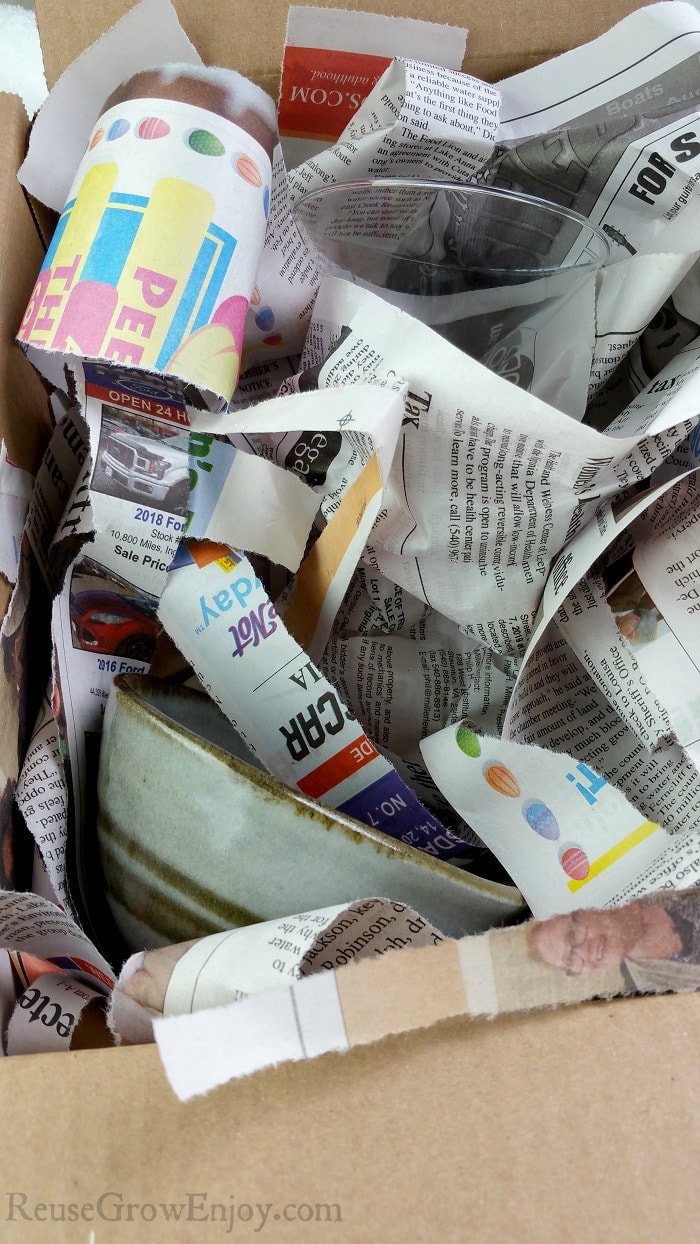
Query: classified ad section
(105, 615)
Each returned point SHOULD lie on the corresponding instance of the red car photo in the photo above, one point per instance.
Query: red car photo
(108, 622)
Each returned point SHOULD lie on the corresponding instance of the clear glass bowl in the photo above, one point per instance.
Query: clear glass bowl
(434, 239)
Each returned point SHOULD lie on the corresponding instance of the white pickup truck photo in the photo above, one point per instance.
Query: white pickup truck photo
(143, 467)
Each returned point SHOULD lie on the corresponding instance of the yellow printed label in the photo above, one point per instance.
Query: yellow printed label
(56, 280)
(157, 269)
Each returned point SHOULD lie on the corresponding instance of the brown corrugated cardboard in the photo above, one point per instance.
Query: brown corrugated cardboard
(502, 40)
(24, 426)
(576, 1124)
(24, 414)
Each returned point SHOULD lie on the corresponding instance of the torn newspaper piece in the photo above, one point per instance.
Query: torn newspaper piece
(332, 60)
(226, 967)
(650, 946)
(488, 483)
(217, 612)
(628, 126)
(51, 977)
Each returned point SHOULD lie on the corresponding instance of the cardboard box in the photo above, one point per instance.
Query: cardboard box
(574, 1124)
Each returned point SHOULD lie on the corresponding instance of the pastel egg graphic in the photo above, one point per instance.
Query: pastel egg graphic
(266, 202)
(265, 319)
(248, 170)
(541, 818)
(152, 127)
(575, 863)
(96, 138)
(468, 741)
(255, 297)
(274, 339)
(502, 781)
(117, 129)
(205, 143)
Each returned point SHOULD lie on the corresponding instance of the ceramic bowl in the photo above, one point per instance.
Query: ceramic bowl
(194, 837)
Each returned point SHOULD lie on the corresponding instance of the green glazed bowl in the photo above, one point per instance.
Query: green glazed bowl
(195, 838)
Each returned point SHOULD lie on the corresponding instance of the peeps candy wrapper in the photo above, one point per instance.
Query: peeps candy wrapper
(154, 259)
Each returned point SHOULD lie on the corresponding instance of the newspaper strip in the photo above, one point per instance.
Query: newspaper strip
(14, 676)
(332, 60)
(609, 522)
(615, 106)
(675, 326)
(628, 123)
(59, 499)
(48, 1013)
(228, 966)
(37, 573)
(142, 294)
(282, 294)
(41, 883)
(344, 453)
(20, 681)
(637, 634)
(154, 259)
(15, 491)
(665, 566)
(15, 576)
(419, 121)
(407, 671)
(626, 302)
(649, 946)
(217, 612)
(252, 503)
(42, 798)
(622, 620)
(566, 835)
(584, 691)
(142, 481)
(663, 783)
(51, 973)
(474, 448)
(286, 282)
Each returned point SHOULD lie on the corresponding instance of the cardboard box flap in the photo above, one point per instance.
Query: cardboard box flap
(535, 1129)
(502, 39)
(24, 414)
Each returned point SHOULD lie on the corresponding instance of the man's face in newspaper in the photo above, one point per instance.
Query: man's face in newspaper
(584, 941)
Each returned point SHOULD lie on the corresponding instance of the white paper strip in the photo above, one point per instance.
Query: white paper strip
(477, 971)
(203, 1050)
